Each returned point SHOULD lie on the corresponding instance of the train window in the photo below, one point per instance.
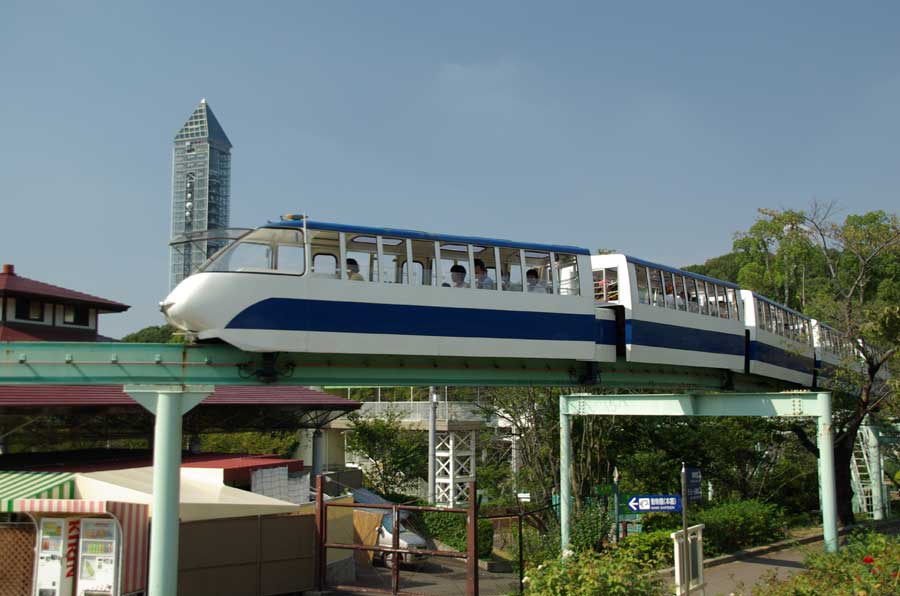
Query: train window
(511, 269)
(567, 266)
(732, 304)
(693, 303)
(485, 269)
(606, 284)
(678, 289)
(669, 289)
(252, 253)
(325, 265)
(393, 256)
(361, 254)
(423, 272)
(291, 255)
(722, 302)
(455, 266)
(538, 277)
(643, 284)
(701, 297)
(657, 298)
(324, 246)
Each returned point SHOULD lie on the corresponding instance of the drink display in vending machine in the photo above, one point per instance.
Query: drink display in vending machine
(53, 576)
(98, 558)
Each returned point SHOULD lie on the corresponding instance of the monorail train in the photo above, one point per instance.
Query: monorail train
(302, 286)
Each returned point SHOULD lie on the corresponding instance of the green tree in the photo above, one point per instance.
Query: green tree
(160, 334)
(395, 456)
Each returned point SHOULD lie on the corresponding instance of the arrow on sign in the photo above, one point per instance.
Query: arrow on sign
(633, 504)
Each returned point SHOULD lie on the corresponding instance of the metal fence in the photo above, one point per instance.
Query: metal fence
(394, 552)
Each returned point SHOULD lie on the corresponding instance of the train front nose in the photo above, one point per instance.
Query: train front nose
(183, 307)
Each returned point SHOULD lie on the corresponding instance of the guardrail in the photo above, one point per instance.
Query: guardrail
(419, 411)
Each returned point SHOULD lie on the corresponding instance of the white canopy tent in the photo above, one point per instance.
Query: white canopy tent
(201, 498)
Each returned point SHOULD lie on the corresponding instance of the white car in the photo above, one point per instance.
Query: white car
(408, 540)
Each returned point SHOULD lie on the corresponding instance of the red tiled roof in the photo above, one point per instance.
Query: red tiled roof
(113, 395)
(45, 333)
(11, 283)
(237, 466)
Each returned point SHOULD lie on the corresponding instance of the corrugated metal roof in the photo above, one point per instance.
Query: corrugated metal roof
(109, 395)
(16, 284)
(34, 485)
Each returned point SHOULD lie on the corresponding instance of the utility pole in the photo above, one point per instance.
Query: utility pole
(432, 442)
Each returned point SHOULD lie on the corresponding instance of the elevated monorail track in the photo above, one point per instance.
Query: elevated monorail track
(222, 364)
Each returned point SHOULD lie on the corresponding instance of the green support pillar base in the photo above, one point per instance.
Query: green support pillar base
(168, 404)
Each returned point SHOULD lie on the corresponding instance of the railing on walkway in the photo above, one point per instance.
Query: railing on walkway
(419, 411)
(322, 544)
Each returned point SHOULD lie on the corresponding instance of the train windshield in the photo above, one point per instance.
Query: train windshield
(263, 250)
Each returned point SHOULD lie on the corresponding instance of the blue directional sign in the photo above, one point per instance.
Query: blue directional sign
(647, 503)
(694, 490)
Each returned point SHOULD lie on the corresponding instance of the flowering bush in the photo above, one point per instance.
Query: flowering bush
(869, 565)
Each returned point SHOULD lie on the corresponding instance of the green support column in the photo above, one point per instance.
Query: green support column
(825, 437)
(565, 465)
(168, 403)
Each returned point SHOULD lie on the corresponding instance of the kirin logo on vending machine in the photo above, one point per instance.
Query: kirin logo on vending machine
(72, 546)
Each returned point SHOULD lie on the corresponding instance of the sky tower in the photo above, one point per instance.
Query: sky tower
(201, 190)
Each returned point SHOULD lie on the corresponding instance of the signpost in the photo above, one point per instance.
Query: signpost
(694, 489)
(648, 503)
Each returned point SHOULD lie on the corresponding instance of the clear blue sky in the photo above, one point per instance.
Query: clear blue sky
(655, 129)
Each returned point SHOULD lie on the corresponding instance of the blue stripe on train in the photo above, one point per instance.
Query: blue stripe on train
(676, 337)
(605, 332)
(294, 314)
(775, 356)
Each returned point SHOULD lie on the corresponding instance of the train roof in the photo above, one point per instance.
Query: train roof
(419, 235)
(678, 271)
(780, 305)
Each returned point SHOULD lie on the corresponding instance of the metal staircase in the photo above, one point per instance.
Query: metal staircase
(861, 472)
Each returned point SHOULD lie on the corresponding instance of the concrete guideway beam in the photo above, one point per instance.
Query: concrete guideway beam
(168, 403)
(787, 404)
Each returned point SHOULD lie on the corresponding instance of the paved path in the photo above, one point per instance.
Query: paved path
(739, 577)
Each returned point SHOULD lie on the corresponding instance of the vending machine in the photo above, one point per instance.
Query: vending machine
(98, 558)
(55, 564)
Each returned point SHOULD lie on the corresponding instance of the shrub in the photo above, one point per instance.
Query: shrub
(729, 527)
(741, 524)
(589, 573)
(450, 528)
(539, 547)
(590, 529)
(655, 549)
(869, 564)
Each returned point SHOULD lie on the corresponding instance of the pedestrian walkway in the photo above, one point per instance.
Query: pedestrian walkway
(739, 577)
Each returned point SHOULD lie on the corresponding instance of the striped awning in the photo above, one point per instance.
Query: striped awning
(34, 485)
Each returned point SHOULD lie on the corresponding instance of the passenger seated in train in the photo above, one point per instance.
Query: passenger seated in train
(534, 283)
(458, 276)
(482, 280)
(353, 270)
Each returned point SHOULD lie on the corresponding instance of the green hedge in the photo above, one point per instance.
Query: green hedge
(734, 526)
(589, 573)
(450, 528)
(869, 564)
(729, 527)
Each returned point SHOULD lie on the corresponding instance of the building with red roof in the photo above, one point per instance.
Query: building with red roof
(32, 310)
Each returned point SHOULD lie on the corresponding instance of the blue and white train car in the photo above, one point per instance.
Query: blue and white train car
(672, 316)
(781, 345)
(302, 286)
(833, 349)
